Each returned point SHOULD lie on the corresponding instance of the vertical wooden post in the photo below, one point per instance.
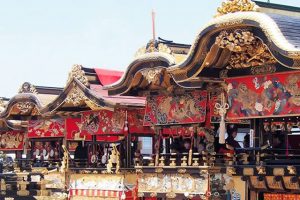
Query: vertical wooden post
(128, 150)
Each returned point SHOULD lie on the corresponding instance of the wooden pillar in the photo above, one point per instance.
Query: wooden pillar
(128, 151)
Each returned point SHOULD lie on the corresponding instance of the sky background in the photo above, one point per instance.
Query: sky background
(41, 40)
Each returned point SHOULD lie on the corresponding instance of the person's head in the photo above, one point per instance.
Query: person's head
(187, 143)
(278, 139)
(246, 141)
(232, 132)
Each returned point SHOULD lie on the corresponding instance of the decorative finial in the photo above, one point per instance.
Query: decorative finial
(232, 6)
(28, 88)
(79, 74)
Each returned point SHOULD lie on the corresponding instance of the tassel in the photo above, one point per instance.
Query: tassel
(222, 109)
(222, 131)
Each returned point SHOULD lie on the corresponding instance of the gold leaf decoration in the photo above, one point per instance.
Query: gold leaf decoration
(247, 50)
(79, 74)
(28, 88)
(75, 97)
(232, 6)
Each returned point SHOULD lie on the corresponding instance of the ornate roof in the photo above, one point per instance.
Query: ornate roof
(81, 93)
(238, 41)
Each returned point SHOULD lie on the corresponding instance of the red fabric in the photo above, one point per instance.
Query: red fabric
(46, 128)
(11, 140)
(107, 77)
(179, 109)
(72, 129)
(269, 95)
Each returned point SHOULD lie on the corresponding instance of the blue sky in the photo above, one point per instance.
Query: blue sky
(41, 40)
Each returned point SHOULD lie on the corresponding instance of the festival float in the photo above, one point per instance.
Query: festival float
(242, 69)
(156, 130)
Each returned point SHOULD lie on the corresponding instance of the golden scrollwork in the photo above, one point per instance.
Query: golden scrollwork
(231, 6)
(266, 69)
(292, 170)
(159, 170)
(171, 195)
(150, 74)
(75, 96)
(153, 194)
(2, 105)
(25, 107)
(28, 88)
(247, 50)
(79, 74)
(181, 170)
(151, 47)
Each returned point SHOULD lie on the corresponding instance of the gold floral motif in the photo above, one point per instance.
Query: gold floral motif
(24, 107)
(247, 50)
(2, 105)
(153, 194)
(266, 69)
(231, 6)
(171, 195)
(292, 170)
(159, 170)
(28, 88)
(75, 97)
(151, 48)
(151, 74)
(79, 74)
(181, 171)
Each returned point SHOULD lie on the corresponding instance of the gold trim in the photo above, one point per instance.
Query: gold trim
(79, 74)
(231, 6)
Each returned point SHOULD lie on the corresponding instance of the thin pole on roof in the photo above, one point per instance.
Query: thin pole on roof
(153, 25)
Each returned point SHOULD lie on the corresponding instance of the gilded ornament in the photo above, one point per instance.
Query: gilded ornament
(181, 170)
(171, 195)
(232, 6)
(24, 107)
(159, 170)
(151, 74)
(151, 47)
(292, 170)
(265, 69)
(2, 104)
(247, 50)
(75, 97)
(28, 88)
(78, 74)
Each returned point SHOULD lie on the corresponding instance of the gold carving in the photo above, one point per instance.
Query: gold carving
(181, 170)
(247, 50)
(24, 107)
(114, 158)
(171, 195)
(231, 6)
(230, 171)
(159, 170)
(153, 47)
(278, 171)
(266, 69)
(151, 74)
(153, 194)
(261, 170)
(27, 88)
(292, 170)
(79, 74)
(76, 97)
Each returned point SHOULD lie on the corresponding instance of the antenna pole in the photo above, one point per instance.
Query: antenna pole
(153, 25)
